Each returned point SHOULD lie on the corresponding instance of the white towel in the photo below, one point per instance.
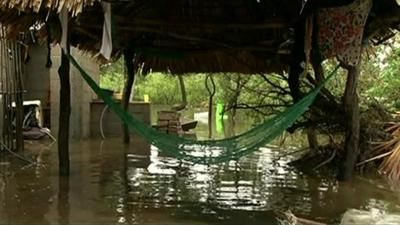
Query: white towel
(63, 16)
(106, 45)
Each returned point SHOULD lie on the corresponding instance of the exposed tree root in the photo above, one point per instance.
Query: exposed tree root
(379, 145)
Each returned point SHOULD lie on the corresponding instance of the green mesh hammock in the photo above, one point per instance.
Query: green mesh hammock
(209, 151)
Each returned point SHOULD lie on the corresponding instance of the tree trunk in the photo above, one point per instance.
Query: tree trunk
(319, 77)
(65, 111)
(352, 118)
(211, 90)
(183, 93)
(296, 69)
(183, 104)
(126, 95)
(312, 137)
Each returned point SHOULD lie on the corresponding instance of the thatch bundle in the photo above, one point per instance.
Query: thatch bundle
(20, 15)
(386, 153)
(74, 6)
(246, 36)
(391, 163)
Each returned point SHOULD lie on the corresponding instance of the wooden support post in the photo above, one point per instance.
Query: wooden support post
(63, 203)
(319, 77)
(8, 97)
(126, 95)
(312, 127)
(65, 111)
(298, 58)
(352, 122)
(4, 89)
(19, 108)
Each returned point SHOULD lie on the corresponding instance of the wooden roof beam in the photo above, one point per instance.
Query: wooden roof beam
(270, 24)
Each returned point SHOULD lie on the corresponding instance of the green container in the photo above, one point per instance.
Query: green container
(220, 110)
(220, 117)
(219, 114)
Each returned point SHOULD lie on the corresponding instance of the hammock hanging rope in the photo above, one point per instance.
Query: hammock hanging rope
(209, 151)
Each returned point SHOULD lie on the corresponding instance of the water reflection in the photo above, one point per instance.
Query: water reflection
(112, 183)
(63, 206)
(256, 185)
(27, 196)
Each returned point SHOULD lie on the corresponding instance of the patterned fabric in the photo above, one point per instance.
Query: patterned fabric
(340, 31)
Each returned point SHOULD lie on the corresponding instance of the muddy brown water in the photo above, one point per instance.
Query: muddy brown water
(111, 183)
(114, 184)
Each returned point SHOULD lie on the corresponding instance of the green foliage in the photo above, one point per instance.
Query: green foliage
(161, 88)
(196, 89)
(164, 89)
(379, 76)
(385, 87)
(112, 76)
(265, 94)
(256, 94)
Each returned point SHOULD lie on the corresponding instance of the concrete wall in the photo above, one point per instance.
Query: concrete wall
(36, 80)
(112, 125)
(41, 83)
(81, 94)
(37, 76)
(44, 84)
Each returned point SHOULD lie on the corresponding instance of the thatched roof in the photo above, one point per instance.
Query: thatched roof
(210, 36)
(20, 15)
(74, 6)
(247, 36)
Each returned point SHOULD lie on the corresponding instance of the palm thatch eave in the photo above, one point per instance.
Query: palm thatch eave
(73, 6)
(209, 35)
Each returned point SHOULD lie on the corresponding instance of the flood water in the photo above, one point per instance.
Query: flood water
(115, 184)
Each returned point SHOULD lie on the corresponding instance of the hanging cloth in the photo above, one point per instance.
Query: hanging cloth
(341, 31)
(106, 45)
(63, 16)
